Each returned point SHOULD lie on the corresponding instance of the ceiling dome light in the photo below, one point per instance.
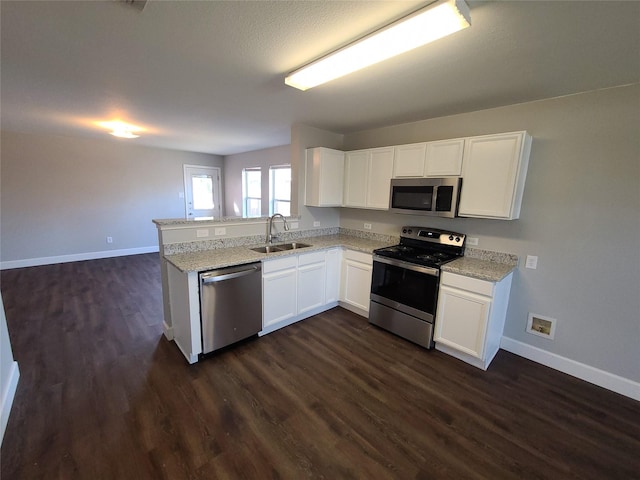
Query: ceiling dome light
(121, 129)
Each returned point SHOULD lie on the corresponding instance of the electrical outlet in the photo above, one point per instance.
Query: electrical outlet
(316, 224)
(202, 232)
(294, 225)
(180, 194)
(531, 262)
(109, 239)
(472, 241)
(221, 231)
(367, 226)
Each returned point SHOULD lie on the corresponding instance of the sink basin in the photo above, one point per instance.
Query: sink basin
(267, 249)
(281, 247)
(293, 246)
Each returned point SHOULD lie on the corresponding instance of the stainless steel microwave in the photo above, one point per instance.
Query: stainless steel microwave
(425, 196)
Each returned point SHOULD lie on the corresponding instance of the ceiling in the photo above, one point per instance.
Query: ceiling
(208, 76)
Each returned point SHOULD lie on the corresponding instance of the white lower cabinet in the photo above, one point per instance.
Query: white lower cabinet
(470, 317)
(333, 260)
(295, 287)
(355, 282)
(311, 281)
(279, 286)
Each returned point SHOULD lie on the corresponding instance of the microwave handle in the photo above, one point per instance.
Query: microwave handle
(434, 198)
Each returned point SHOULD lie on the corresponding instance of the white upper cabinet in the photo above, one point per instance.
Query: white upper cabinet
(444, 158)
(494, 172)
(409, 160)
(324, 177)
(379, 178)
(367, 174)
(356, 169)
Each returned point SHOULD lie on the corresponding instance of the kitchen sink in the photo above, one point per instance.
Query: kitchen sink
(281, 247)
(267, 249)
(292, 246)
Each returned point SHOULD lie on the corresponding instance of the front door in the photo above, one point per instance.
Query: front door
(202, 192)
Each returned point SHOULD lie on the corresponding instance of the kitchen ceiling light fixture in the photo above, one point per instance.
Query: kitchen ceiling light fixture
(435, 21)
(121, 129)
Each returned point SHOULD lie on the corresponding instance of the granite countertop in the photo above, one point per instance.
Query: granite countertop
(480, 264)
(225, 257)
(483, 265)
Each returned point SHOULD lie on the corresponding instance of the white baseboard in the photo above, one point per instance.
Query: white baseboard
(354, 309)
(77, 257)
(8, 393)
(168, 331)
(615, 383)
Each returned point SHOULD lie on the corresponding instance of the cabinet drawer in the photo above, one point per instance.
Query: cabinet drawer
(311, 257)
(274, 265)
(474, 285)
(358, 256)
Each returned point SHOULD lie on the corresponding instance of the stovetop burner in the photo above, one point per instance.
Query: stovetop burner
(425, 246)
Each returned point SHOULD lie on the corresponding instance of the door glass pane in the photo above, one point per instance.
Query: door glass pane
(202, 192)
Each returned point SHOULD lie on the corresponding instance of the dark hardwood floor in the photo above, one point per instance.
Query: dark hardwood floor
(103, 395)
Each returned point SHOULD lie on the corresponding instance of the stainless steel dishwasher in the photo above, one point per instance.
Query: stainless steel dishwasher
(230, 305)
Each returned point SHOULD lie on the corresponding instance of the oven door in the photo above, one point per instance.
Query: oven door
(403, 299)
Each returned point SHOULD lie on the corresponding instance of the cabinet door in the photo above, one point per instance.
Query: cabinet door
(356, 283)
(332, 279)
(311, 280)
(355, 178)
(444, 158)
(324, 177)
(461, 320)
(379, 178)
(409, 160)
(278, 296)
(493, 173)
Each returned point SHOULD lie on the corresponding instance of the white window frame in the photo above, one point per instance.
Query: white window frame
(245, 197)
(272, 199)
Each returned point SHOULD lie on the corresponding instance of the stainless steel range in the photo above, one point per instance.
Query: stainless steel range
(406, 277)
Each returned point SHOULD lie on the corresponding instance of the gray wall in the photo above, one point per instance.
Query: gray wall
(64, 196)
(580, 215)
(303, 137)
(233, 166)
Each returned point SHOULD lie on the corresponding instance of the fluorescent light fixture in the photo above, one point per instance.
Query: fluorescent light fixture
(121, 129)
(437, 20)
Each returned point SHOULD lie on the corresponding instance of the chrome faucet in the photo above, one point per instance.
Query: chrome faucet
(270, 226)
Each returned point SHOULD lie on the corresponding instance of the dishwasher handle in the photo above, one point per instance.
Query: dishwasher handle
(229, 273)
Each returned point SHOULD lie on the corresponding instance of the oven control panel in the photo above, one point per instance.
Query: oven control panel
(442, 237)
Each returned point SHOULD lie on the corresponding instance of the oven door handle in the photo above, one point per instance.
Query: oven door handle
(409, 266)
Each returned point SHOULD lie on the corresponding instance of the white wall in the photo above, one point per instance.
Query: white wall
(62, 196)
(233, 166)
(9, 373)
(580, 215)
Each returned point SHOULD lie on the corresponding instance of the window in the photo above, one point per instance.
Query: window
(280, 190)
(251, 192)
